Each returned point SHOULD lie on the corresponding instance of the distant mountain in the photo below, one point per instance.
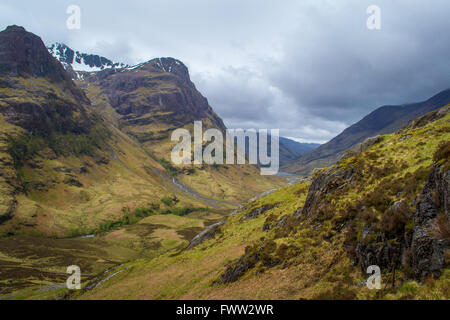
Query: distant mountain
(291, 149)
(76, 62)
(386, 119)
(288, 149)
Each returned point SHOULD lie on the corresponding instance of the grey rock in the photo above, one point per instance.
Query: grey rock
(427, 251)
(405, 137)
(208, 233)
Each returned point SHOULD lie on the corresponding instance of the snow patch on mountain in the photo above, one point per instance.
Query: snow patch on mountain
(76, 62)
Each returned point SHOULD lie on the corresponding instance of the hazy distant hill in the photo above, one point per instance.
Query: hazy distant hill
(291, 150)
(386, 119)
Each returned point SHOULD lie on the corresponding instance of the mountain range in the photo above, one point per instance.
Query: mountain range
(386, 119)
(86, 180)
(93, 147)
(80, 65)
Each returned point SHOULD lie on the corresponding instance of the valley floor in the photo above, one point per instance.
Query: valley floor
(35, 267)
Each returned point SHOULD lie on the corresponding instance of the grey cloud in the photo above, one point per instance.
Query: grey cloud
(345, 70)
(308, 67)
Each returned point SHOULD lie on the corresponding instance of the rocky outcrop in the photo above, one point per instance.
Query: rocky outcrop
(376, 249)
(238, 269)
(429, 117)
(428, 250)
(425, 244)
(206, 234)
(325, 182)
(254, 213)
(263, 254)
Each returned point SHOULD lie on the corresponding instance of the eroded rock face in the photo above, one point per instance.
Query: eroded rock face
(327, 181)
(428, 251)
(375, 248)
(155, 92)
(23, 53)
(425, 250)
(381, 253)
(238, 269)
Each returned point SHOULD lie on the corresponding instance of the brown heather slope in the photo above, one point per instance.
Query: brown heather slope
(386, 203)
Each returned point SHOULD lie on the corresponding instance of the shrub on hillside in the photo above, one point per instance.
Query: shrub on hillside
(169, 201)
(441, 227)
(395, 218)
(442, 154)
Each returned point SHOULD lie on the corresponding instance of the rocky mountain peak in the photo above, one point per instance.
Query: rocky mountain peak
(15, 28)
(24, 54)
(171, 65)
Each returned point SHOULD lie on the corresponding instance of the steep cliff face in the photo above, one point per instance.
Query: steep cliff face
(35, 91)
(24, 54)
(167, 88)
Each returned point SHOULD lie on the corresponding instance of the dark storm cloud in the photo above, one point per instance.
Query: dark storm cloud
(308, 67)
(344, 70)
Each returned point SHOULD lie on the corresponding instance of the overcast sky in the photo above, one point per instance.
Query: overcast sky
(308, 67)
